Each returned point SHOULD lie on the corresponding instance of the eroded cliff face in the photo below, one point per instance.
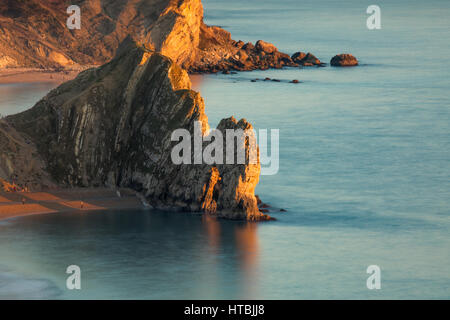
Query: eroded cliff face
(33, 33)
(112, 126)
(20, 162)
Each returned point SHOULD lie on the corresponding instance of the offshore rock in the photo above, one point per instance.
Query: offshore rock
(344, 60)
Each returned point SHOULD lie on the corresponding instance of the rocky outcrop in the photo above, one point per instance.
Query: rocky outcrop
(20, 162)
(112, 126)
(33, 33)
(344, 60)
(220, 53)
(306, 59)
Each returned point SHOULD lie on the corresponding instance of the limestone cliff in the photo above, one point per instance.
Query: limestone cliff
(112, 126)
(33, 33)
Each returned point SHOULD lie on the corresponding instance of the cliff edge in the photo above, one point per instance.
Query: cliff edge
(33, 33)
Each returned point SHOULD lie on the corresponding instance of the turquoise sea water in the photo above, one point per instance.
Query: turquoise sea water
(364, 174)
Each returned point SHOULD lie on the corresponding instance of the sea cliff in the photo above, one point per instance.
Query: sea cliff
(33, 33)
(112, 125)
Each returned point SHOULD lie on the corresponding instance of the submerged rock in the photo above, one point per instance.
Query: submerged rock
(112, 126)
(344, 60)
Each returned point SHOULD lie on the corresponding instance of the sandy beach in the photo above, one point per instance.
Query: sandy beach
(14, 204)
(27, 75)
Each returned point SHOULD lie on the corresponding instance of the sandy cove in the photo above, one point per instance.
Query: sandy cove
(15, 204)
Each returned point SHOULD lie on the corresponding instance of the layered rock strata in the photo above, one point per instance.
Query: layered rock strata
(112, 126)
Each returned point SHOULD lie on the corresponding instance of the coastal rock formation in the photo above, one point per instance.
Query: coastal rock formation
(219, 52)
(20, 162)
(306, 59)
(112, 126)
(344, 60)
(298, 56)
(33, 33)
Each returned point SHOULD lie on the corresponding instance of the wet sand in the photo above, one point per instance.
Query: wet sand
(15, 204)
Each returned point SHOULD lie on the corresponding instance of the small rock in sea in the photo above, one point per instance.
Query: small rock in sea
(253, 80)
(295, 81)
(226, 72)
(344, 60)
(276, 80)
(282, 210)
(267, 79)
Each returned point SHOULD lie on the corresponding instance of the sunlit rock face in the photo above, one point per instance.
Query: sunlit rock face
(112, 126)
(33, 33)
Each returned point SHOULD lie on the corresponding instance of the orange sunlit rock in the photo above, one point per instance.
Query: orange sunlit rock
(9, 187)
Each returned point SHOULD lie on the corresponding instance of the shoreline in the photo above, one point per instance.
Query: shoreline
(18, 204)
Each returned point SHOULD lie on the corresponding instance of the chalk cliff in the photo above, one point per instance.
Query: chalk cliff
(112, 126)
(33, 33)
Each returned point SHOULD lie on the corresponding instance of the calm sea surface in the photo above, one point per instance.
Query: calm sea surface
(364, 174)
